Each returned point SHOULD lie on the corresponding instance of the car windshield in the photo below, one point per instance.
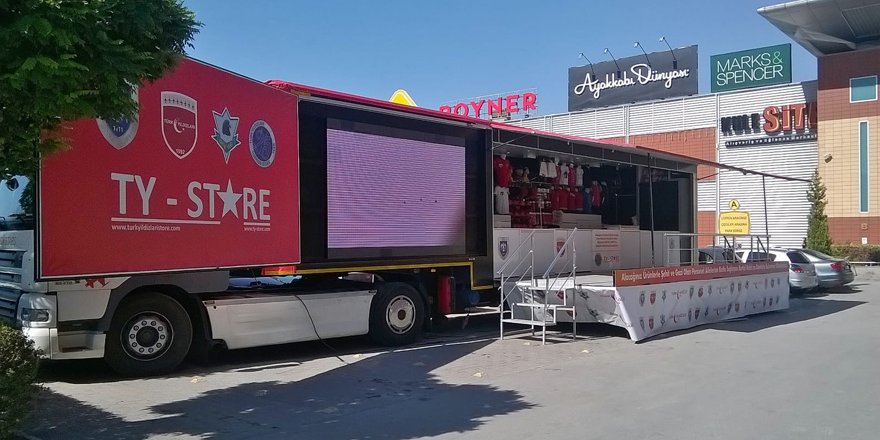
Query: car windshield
(16, 204)
(817, 255)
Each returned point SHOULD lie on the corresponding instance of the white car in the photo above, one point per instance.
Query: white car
(802, 275)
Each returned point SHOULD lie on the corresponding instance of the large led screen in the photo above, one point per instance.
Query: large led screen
(393, 196)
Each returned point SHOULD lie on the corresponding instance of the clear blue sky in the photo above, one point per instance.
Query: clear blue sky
(441, 50)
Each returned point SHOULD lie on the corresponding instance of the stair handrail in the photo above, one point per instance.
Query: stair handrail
(559, 253)
(515, 251)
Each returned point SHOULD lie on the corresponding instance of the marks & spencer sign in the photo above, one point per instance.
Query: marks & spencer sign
(656, 75)
(764, 66)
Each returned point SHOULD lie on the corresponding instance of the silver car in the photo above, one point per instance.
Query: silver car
(801, 272)
(833, 272)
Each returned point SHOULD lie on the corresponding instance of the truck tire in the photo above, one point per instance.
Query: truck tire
(150, 334)
(397, 314)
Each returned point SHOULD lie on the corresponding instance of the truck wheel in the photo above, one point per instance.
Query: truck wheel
(150, 335)
(396, 314)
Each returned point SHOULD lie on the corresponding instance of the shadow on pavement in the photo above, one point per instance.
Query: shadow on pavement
(800, 309)
(392, 395)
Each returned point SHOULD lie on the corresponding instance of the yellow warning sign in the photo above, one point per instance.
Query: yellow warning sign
(401, 97)
(734, 223)
(734, 205)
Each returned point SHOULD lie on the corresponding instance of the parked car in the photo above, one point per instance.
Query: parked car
(801, 272)
(717, 255)
(832, 272)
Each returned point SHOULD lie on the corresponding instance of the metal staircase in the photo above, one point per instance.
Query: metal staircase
(531, 293)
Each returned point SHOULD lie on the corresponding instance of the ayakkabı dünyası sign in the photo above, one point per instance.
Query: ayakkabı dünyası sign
(656, 75)
(751, 68)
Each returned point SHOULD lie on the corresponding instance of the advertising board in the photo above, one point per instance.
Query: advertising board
(205, 177)
(655, 75)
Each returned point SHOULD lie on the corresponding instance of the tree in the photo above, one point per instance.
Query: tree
(65, 60)
(818, 237)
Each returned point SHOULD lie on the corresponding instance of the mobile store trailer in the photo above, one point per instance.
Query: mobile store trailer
(236, 213)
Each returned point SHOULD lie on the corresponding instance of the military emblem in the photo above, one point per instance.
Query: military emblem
(642, 299)
(697, 314)
(770, 303)
(651, 323)
(736, 307)
(690, 314)
(729, 307)
(710, 290)
(653, 297)
(765, 283)
(706, 312)
(662, 320)
(664, 296)
(691, 293)
(120, 132)
(503, 247)
(700, 293)
(772, 282)
(765, 301)
(226, 132)
(642, 322)
(731, 287)
(262, 143)
(179, 123)
(739, 287)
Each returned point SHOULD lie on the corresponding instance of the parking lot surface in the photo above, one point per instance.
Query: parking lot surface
(810, 372)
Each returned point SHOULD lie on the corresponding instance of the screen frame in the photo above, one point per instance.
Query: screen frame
(314, 114)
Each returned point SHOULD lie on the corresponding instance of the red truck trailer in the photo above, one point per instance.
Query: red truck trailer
(236, 213)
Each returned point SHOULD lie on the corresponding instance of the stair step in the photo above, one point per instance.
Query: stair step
(528, 322)
(562, 307)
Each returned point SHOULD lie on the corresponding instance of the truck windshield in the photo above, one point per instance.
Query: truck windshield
(17, 204)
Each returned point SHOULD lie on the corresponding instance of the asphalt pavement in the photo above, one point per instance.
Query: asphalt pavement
(810, 372)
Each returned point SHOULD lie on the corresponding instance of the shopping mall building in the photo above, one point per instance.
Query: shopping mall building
(755, 118)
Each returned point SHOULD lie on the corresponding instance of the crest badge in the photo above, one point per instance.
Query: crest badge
(736, 307)
(503, 247)
(700, 293)
(225, 132)
(642, 322)
(121, 131)
(662, 320)
(179, 123)
(262, 143)
(653, 296)
(642, 299)
(651, 323)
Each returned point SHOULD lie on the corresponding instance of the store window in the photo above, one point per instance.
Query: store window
(863, 89)
(863, 166)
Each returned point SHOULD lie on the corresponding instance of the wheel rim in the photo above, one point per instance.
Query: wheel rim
(147, 336)
(401, 314)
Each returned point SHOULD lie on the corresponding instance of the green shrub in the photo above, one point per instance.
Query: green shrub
(18, 371)
(853, 252)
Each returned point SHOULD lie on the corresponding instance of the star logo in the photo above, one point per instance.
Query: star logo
(96, 282)
(230, 199)
(226, 132)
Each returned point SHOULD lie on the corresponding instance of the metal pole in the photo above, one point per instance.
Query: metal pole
(766, 219)
(651, 205)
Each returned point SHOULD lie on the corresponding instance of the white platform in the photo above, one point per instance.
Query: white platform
(649, 310)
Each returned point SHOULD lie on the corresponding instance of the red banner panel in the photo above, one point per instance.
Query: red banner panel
(674, 274)
(206, 177)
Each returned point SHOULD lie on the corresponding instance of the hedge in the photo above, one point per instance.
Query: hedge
(18, 372)
(854, 252)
